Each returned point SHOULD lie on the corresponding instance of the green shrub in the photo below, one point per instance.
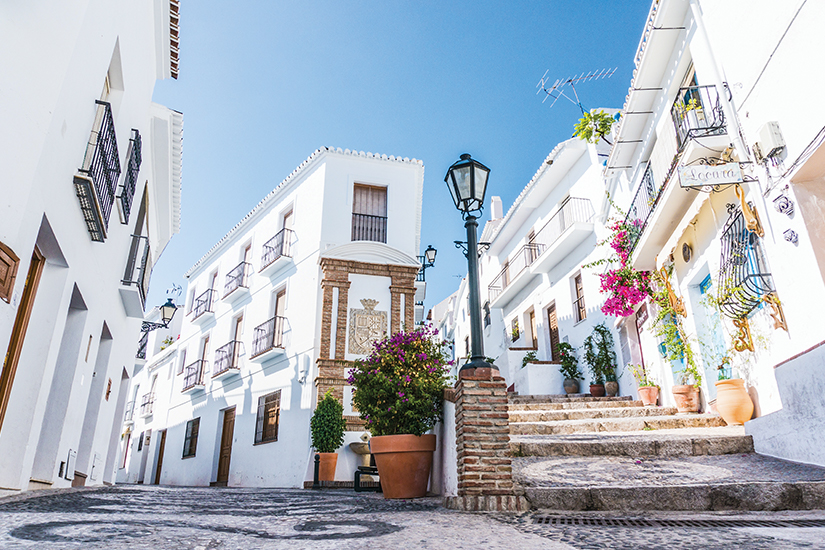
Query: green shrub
(328, 424)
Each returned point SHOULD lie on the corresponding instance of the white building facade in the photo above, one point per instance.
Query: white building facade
(275, 311)
(90, 197)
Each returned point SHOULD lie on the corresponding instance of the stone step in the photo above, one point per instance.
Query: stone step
(616, 424)
(561, 398)
(541, 406)
(661, 443)
(701, 483)
(590, 413)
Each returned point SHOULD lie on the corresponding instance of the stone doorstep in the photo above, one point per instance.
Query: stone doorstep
(615, 424)
(545, 406)
(745, 496)
(564, 398)
(633, 446)
(589, 413)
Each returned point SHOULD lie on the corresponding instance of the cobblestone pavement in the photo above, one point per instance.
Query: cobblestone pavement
(138, 517)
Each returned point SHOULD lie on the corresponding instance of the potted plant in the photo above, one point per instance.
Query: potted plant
(600, 358)
(733, 403)
(570, 368)
(593, 126)
(327, 426)
(529, 357)
(398, 391)
(647, 388)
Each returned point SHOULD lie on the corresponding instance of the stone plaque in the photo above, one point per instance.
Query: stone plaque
(366, 326)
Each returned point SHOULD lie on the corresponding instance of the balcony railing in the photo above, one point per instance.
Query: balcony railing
(129, 413)
(127, 192)
(697, 112)
(520, 261)
(237, 278)
(366, 227)
(643, 205)
(267, 336)
(97, 183)
(138, 267)
(193, 374)
(277, 247)
(573, 210)
(147, 404)
(203, 304)
(143, 343)
(226, 358)
(419, 277)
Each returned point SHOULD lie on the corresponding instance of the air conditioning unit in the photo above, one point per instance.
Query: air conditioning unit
(771, 143)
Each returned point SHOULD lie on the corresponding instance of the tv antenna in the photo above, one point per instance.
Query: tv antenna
(557, 90)
(174, 291)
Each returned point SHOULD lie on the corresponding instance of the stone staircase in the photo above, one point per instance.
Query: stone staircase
(614, 454)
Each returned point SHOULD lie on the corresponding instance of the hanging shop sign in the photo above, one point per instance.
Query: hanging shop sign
(704, 176)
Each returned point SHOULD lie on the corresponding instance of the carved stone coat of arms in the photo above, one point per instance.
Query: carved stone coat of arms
(366, 326)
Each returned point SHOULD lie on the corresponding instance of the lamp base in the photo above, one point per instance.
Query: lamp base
(477, 367)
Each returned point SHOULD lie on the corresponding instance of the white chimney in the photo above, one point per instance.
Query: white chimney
(496, 209)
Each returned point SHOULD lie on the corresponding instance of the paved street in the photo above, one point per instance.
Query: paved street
(205, 518)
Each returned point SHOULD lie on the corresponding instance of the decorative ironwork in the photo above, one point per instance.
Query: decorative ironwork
(268, 336)
(696, 113)
(776, 311)
(203, 304)
(742, 340)
(137, 264)
(744, 278)
(749, 212)
(127, 192)
(419, 277)
(481, 247)
(644, 202)
(193, 374)
(791, 236)
(278, 246)
(676, 303)
(237, 278)
(520, 261)
(147, 404)
(226, 358)
(143, 343)
(366, 227)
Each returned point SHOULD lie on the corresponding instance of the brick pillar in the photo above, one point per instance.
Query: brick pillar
(485, 479)
(341, 325)
(409, 309)
(326, 321)
(395, 309)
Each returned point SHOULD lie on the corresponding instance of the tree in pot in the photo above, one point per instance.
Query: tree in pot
(327, 426)
(569, 368)
(600, 359)
(399, 392)
(648, 390)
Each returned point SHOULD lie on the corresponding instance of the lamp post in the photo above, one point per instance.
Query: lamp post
(167, 311)
(467, 181)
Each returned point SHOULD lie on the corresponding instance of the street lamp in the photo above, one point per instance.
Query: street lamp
(467, 181)
(167, 311)
(429, 256)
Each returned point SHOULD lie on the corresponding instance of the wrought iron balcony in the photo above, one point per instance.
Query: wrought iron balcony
(127, 192)
(366, 227)
(96, 181)
(697, 112)
(237, 278)
(226, 359)
(138, 267)
(644, 203)
(268, 337)
(147, 404)
(203, 305)
(128, 414)
(277, 248)
(193, 375)
(143, 343)
(419, 277)
(514, 267)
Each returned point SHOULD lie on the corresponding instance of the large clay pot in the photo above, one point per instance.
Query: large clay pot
(611, 388)
(686, 397)
(404, 463)
(597, 390)
(326, 469)
(648, 394)
(571, 385)
(733, 402)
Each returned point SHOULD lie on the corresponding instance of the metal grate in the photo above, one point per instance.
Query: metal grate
(714, 523)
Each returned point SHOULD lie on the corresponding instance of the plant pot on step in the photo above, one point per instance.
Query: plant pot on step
(597, 390)
(649, 395)
(686, 397)
(326, 469)
(571, 385)
(404, 463)
(733, 402)
(611, 388)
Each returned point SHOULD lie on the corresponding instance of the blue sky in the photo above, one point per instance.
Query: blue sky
(263, 84)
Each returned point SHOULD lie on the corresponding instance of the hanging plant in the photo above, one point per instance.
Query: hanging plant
(593, 126)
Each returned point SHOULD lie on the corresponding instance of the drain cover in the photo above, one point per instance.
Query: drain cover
(644, 522)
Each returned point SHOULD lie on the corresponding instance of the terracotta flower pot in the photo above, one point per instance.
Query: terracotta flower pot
(571, 385)
(611, 388)
(686, 397)
(404, 463)
(597, 390)
(733, 402)
(649, 394)
(326, 470)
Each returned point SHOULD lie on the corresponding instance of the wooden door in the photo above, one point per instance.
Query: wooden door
(553, 325)
(18, 331)
(161, 448)
(533, 333)
(226, 446)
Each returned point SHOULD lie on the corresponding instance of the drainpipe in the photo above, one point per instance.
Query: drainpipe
(727, 107)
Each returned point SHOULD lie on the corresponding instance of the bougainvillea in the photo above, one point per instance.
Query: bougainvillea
(399, 387)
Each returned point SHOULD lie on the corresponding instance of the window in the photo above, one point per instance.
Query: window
(467, 346)
(190, 440)
(533, 332)
(553, 327)
(578, 304)
(486, 309)
(182, 363)
(369, 213)
(140, 442)
(269, 411)
(514, 330)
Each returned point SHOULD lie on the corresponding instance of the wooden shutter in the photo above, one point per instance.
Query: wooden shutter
(193, 441)
(8, 271)
(272, 415)
(369, 200)
(553, 324)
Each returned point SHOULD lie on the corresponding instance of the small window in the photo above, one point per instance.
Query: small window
(190, 440)
(369, 213)
(140, 442)
(486, 308)
(467, 346)
(578, 305)
(182, 363)
(514, 329)
(269, 412)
